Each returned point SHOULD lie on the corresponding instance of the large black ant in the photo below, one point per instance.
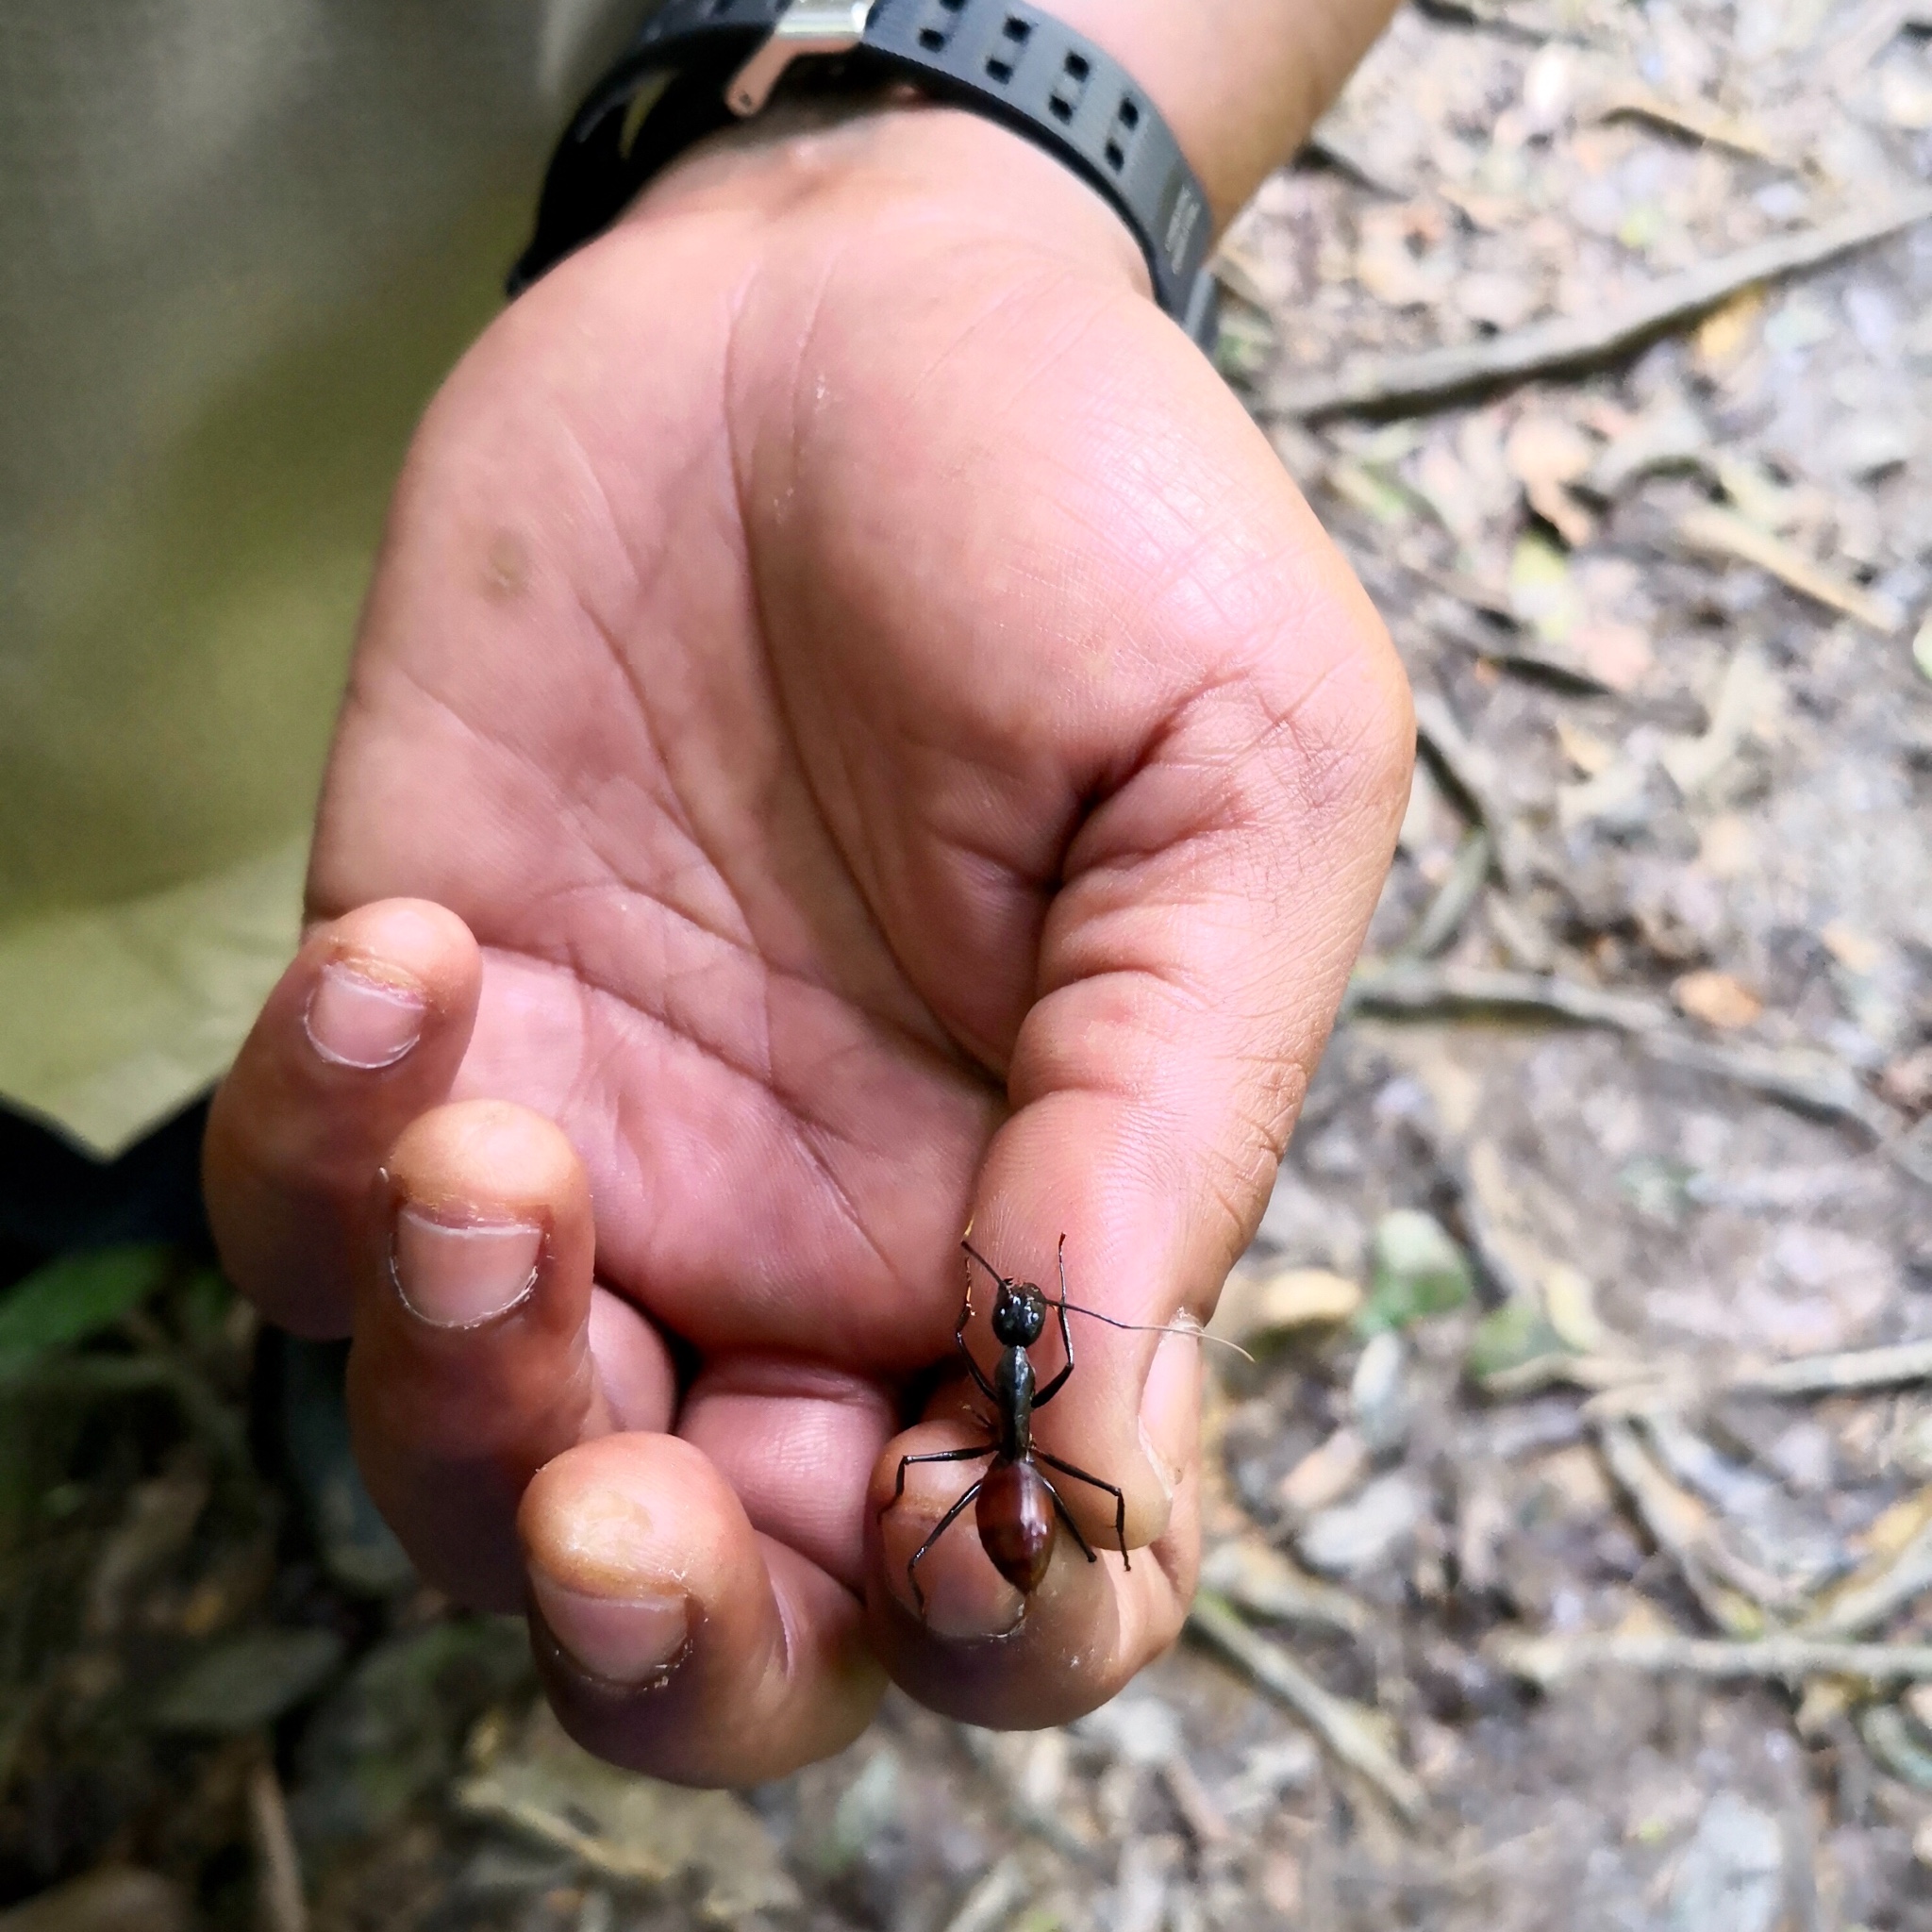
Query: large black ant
(1017, 1503)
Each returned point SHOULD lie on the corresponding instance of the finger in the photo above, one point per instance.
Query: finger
(674, 1639)
(797, 1443)
(1189, 967)
(967, 1643)
(473, 1360)
(363, 1032)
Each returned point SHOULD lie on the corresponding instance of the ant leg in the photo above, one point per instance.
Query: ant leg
(986, 1388)
(905, 1462)
(972, 1368)
(1120, 1501)
(1054, 1387)
(1065, 1515)
(938, 1529)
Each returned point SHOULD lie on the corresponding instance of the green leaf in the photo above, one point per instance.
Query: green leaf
(247, 1681)
(78, 1296)
(1417, 1271)
(1511, 1337)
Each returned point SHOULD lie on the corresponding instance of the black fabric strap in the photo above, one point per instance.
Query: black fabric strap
(1002, 59)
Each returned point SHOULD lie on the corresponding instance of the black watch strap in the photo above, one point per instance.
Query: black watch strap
(697, 65)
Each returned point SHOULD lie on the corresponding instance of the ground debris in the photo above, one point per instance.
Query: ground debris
(631, 1830)
(1547, 1660)
(1435, 377)
(1342, 1729)
(1639, 1064)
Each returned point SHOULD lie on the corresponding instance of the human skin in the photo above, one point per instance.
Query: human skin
(853, 733)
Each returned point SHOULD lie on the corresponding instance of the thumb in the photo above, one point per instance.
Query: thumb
(1191, 966)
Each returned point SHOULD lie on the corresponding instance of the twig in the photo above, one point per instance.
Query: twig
(1808, 1082)
(995, 1901)
(1341, 1726)
(1497, 19)
(1199, 1812)
(1832, 1375)
(1695, 118)
(1863, 1603)
(1719, 532)
(1454, 900)
(1871, 31)
(1812, 1083)
(1435, 377)
(1884, 1730)
(277, 1867)
(1677, 1523)
(1546, 1660)
(1598, 1375)
(1258, 1579)
(1472, 772)
(1429, 989)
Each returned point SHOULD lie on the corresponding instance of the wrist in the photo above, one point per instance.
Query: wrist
(894, 159)
(1240, 82)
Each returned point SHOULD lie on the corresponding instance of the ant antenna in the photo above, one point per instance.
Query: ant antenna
(1193, 1328)
(1074, 1309)
(984, 1263)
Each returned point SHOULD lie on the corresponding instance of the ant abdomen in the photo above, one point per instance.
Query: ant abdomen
(1016, 1523)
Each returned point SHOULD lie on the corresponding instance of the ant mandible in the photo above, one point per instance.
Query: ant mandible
(1017, 1503)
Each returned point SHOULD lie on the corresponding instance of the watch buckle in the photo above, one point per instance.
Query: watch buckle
(807, 27)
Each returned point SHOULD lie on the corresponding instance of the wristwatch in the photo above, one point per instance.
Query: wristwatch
(696, 66)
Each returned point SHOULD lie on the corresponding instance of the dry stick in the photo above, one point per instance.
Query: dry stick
(1340, 1725)
(995, 1901)
(277, 1869)
(1434, 990)
(1565, 342)
(1863, 1607)
(1454, 900)
(1471, 771)
(1808, 1082)
(1718, 532)
(1546, 1660)
(1694, 117)
(1663, 1509)
(1831, 1375)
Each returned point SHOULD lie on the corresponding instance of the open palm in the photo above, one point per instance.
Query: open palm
(903, 753)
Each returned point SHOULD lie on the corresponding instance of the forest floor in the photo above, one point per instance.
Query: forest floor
(1569, 1530)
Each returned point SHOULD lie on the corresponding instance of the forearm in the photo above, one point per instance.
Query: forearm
(1240, 81)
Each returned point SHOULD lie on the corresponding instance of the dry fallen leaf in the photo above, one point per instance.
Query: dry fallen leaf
(1616, 655)
(1727, 334)
(1907, 98)
(1496, 300)
(1326, 1474)
(1255, 1306)
(1728, 848)
(1856, 951)
(1562, 512)
(1907, 1082)
(1717, 999)
(1543, 447)
(1586, 751)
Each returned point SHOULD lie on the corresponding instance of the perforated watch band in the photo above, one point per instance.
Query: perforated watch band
(712, 60)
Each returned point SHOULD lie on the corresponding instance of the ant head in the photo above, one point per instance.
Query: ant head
(1019, 1315)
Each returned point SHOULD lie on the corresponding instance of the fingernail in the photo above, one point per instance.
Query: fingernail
(620, 1639)
(453, 1275)
(356, 1021)
(1171, 1407)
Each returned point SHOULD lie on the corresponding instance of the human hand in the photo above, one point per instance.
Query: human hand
(853, 731)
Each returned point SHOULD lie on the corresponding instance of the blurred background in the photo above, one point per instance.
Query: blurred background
(1589, 1424)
